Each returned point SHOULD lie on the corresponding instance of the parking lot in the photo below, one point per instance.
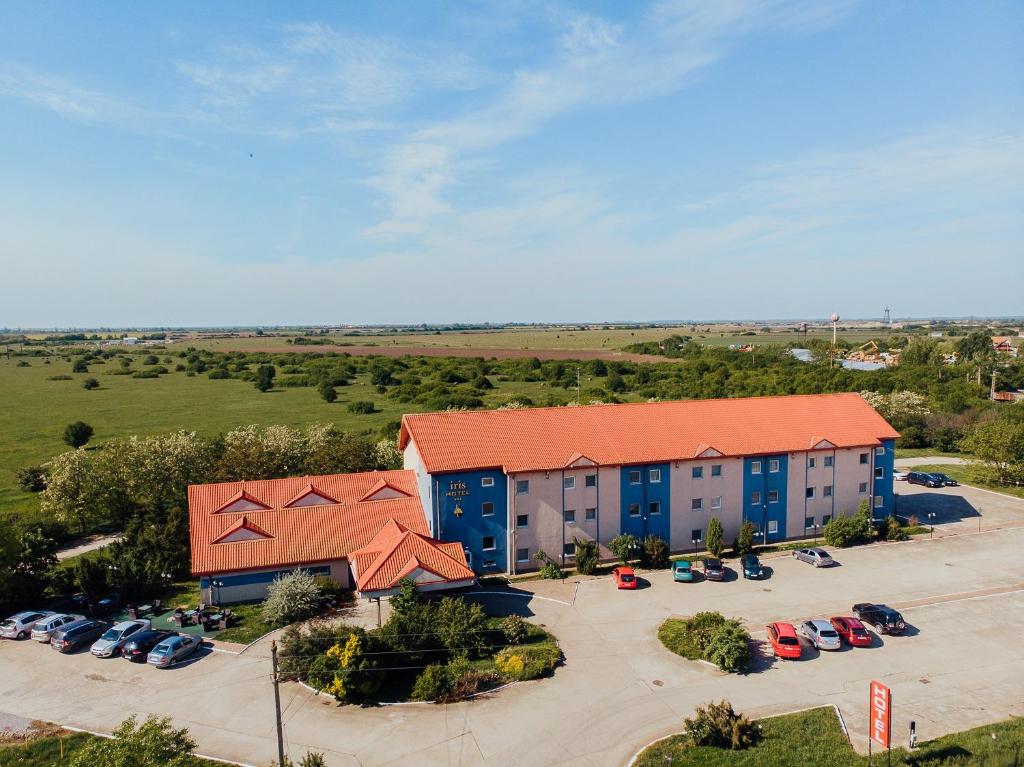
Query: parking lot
(960, 664)
(958, 509)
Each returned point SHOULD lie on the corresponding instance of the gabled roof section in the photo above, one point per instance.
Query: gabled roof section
(384, 491)
(242, 530)
(820, 443)
(578, 460)
(538, 439)
(396, 553)
(309, 496)
(241, 501)
(706, 451)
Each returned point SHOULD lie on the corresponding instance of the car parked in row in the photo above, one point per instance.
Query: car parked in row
(884, 619)
(923, 478)
(682, 571)
(751, 566)
(714, 570)
(20, 625)
(820, 634)
(624, 577)
(899, 475)
(945, 479)
(784, 641)
(173, 649)
(72, 636)
(114, 638)
(817, 557)
(138, 646)
(45, 627)
(852, 631)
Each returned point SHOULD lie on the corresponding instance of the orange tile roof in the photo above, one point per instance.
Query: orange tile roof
(299, 535)
(396, 552)
(646, 432)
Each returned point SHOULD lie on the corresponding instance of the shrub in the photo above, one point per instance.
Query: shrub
(515, 629)
(655, 552)
(79, 367)
(32, 479)
(529, 662)
(729, 648)
(145, 374)
(300, 645)
(313, 759)
(718, 726)
(291, 597)
(59, 378)
(431, 684)
(894, 530)
(701, 626)
(344, 671)
(715, 535)
(361, 408)
(460, 625)
(90, 383)
(842, 531)
(217, 374)
(327, 392)
(550, 568)
(77, 434)
(326, 587)
(511, 665)
(745, 541)
(624, 546)
(586, 556)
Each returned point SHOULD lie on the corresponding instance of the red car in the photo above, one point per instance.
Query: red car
(852, 631)
(785, 643)
(625, 578)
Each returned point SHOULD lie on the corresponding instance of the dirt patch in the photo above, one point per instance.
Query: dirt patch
(435, 351)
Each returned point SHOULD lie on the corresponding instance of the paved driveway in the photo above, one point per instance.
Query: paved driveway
(960, 665)
(959, 509)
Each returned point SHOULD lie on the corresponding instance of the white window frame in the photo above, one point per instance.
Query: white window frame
(639, 477)
(567, 545)
(639, 510)
(806, 525)
(568, 483)
(774, 465)
(522, 487)
(811, 460)
(879, 472)
(773, 526)
(879, 501)
(486, 481)
(569, 516)
(654, 476)
(716, 470)
(863, 489)
(590, 480)
(716, 502)
(483, 506)
(651, 506)
(880, 450)
(696, 472)
(755, 467)
(769, 496)
(696, 504)
(755, 498)
(865, 458)
(829, 462)
(590, 514)
(826, 491)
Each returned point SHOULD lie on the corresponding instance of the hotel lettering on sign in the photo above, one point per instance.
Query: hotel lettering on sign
(880, 714)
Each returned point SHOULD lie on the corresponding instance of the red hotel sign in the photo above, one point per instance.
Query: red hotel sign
(880, 714)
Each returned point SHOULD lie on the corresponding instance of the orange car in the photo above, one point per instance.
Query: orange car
(785, 643)
(625, 578)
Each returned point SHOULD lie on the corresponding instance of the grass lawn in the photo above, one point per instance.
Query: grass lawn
(965, 475)
(55, 750)
(925, 452)
(814, 737)
(675, 635)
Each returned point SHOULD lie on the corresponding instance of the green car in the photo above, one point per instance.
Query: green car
(682, 571)
(752, 566)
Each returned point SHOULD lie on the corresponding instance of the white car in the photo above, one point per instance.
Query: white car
(173, 649)
(20, 625)
(46, 626)
(114, 638)
(820, 634)
(900, 476)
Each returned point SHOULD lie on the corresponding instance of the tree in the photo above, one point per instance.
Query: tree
(154, 743)
(460, 625)
(715, 537)
(327, 392)
(655, 552)
(74, 491)
(91, 576)
(90, 383)
(265, 377)
(79, 366)
(898, 407)
(587, 555)
(999, 448)
(921, 351)
(624, 546)
(975, 347)
(729, 648)
(407, 597)
(77, 434)
(32, 479)
(291, 597)
(745, 541)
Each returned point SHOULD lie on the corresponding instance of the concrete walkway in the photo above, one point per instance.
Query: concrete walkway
(90, 544)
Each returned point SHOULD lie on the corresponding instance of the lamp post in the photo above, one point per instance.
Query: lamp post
(217, 585)
(695, 542)
(931, 524)
(815, 533)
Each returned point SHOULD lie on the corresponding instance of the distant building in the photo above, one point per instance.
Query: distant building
(1004, 345)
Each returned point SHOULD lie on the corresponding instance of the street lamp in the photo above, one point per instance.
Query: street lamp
(931, 524)
(695, 542)
(815, 526)
(217, 585)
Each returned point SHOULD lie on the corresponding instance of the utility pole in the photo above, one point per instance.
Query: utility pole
(277, 705)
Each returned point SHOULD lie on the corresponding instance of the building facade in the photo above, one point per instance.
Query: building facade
(510, 484)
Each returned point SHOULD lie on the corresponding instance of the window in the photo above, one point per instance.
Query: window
(634, 477)
(697, 504)
(522, 555)
(716, 470)
(773, 466)
(755, 467)
(522, 486)
(569, 549)
(863, 487)
(489, 543)
(773, 527)
(773, 496)
(698, 472)
(828, 491)
(490, 564)
(487, 509)
(811, 461)
(826, 519)
(755, 498)
(569, 515)
(879, 451)
(810, 492)
(863, 457)
(522, 520)
(716, 502)
(569, 483)
(808, 523)
(878, 501)
(879, 472)
(487, 482)
(654, 507)
(590, 480)
(591, 515)
(634, 509)
(829, 461)
(655, 476)
(695, 536)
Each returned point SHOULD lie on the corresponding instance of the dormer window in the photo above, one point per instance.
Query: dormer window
(240, 502)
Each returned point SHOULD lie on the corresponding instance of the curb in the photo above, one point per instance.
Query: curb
(419, 702)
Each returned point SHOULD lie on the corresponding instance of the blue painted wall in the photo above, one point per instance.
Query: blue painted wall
(458, 500)
(644, 493)
(248, 579)
(764, 512)
(883, 486)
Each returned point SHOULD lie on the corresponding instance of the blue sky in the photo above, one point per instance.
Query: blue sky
(270, 163)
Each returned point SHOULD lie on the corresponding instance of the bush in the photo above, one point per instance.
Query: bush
(729, 648)
(845, 531)
(145, 374)
(550, 569)
(431, 684)
(745, 541)
(528, 662)
(460, 625)
(515, 629)
(217, 374)
(361, 408)
(32, 479)
(79, 367)
(327, 588)
(327, 392)
(702, 626)
(90, 383)
(624, 546)
(587, 556)
(894, 530)
(715, 537)
(291, 597)
(300, 645)
(655, 552)
(77, 434)
(718, 726)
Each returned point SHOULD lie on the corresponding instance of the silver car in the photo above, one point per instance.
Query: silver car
(820, 634)
(171, 650)
(20, 625)
(114, 638)
(45, 627)
(817, 557)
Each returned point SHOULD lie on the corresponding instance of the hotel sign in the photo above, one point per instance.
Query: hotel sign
(457, 489)
(880, 714)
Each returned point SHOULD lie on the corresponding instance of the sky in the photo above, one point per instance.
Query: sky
(196, 164)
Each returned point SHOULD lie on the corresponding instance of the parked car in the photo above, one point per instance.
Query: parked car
(852, 631)
(20, 625)
(714, 570)
(625, 578)
(110, 644)
(173, 649)
(817, 557)
(70, 637)
(45, 627)
(899, 475)
(751, 566)
(945, 479)
(783, 640)
(923, 478)
(883, 618)
(820, 634)
(682, 571)
(138, 646)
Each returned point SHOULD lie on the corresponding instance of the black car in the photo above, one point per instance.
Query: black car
(923, 478)
(70, 637)
(945, 479)
(884, 619)
(138, 648)
(714, 570)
